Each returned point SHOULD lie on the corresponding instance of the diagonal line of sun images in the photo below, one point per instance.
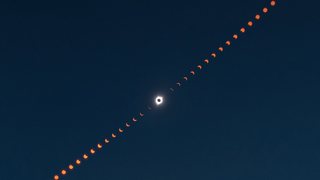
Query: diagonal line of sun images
(158, 101)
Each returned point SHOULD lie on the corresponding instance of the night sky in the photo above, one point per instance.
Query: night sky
(73, 72)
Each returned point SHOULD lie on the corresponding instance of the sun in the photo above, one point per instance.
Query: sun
(159, 100)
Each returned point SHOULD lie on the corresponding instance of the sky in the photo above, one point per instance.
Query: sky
(73, 72)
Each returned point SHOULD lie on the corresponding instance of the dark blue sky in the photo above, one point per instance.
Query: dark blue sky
(73, 72)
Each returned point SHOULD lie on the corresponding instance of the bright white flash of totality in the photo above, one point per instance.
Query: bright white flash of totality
(159, 100)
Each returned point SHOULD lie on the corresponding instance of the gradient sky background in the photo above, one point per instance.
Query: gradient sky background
(73, 72)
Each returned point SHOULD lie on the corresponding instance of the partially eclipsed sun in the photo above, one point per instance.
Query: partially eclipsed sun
(159, 100)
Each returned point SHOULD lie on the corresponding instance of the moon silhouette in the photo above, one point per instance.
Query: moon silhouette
(85, 156)
(228, 42)
(120, 130)
(213, 54)
(99, 146)
(141, 114)
(106, 140)
(171, 89)
(134, 119)
(127, 125)
(185, 78)
(78, 161)
(113, 135)
(179, 84)
(221, 49)
(199, 67)
(206, 60)
(192, 72)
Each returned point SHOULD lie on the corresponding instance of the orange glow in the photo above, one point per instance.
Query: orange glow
(149, 107)
(113, 135)
(127, 125)
(192, 72)
(141, 114)
(92, 151)
(179, 84)
(56, 177)
(257, 16)
(85, 156)
(134, 119)
(221, 49)
(99, 146)
(106, 140)
(185, 78)
(265, 10)
(63, 172)
(120, 130)
(171, 89)
(242, 30)
(250, 23)
(228, 42)
(78, 161)
(70, 166)
(206, 60)
(235, 36)
(199, 67)
(273, 3)
(213, 54)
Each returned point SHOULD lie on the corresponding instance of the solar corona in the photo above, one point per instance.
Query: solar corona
(159, 100)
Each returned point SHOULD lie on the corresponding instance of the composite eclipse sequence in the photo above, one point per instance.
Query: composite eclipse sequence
(159, 99)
